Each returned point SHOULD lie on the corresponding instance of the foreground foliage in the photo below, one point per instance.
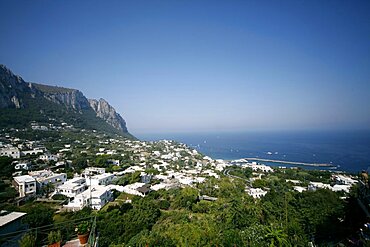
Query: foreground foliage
(281, 218)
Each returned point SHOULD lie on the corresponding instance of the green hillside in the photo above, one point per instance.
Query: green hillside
(42, 110)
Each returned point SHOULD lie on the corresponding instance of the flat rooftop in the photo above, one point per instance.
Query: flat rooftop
(24, 179)
(7, 217)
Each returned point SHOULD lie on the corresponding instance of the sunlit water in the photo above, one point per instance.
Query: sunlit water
(348, 151)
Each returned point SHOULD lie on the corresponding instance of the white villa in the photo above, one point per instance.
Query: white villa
(345, 180)
(133, 189)
(256, 167)
(73, 187)
(44, 177)
(318, 185)
(256, 192)
(99, 195)
(48, 157)
(10, 152)
(25, 185)
(22, 165)
(90, 171)
(100, 179)
(32, 152)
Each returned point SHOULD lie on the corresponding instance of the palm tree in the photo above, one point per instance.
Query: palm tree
(276, 237)
(49, 187)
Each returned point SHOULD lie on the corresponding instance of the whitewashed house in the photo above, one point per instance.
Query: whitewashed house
(318, 185)
(22, 165)
(45, 177)
(95, 198)
(341, 187)
(90, 171)
(25, 185)
(72, 187)
(10, 152)
(342, 179)
(256, 192)
(100, 179)
(32, 152)
(258, 167)
(48, 157)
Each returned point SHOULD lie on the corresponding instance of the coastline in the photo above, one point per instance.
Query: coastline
(343, 150)
(292, 162)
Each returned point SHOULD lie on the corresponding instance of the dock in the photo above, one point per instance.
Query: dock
(291, 162)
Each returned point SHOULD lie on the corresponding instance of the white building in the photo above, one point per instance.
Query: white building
(32, 152)
(44, 177)
(256, 192)
(90, 171)
(299, 188)
(341, 187)
(22, 165)
(60, 163)
(99, 195)
(161, 186)
(48, 157)
(10, 152)
(132, 189)
(342, 179)
(211, 173)
(318, 185)
(25, 185)
(133, 169)
(115, 162)
(292, 181)
(256, 167)
(100, 179)
(72, 187)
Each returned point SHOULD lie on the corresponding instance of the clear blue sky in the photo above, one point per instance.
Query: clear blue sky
(175, 66)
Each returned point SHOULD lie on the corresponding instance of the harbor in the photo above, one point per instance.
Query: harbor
(291, 162)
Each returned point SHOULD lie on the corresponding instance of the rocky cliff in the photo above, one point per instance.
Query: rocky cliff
(16, 93)
(105, 111)
(12, 89)
(70, 98)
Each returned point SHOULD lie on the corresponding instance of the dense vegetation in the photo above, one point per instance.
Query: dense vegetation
(41, 110)
(178, 218)
(6, 169)
(282, 218)
(51, 89)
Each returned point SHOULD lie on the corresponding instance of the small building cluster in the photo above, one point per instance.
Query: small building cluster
(36, 181)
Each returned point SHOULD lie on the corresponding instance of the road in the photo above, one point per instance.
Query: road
(227, 173)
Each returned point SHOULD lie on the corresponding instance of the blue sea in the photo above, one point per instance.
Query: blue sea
(345, 150)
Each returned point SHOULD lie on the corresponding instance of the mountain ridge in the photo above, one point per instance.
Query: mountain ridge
(15, 93)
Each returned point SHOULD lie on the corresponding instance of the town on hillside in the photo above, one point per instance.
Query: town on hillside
(73, 169)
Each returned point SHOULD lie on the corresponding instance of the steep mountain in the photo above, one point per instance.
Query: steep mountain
(70, 98)
(22, 102)
(105, 111)
(13, 89)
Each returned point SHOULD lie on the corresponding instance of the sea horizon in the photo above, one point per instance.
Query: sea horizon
(345, 150)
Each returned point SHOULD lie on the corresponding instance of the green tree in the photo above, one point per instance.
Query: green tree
(28, 240)
(276, 237)
(6, 167)
(38, 215)
(185, 198)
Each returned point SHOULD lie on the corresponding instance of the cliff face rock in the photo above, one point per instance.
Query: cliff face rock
(108, 113)
(74, 99)
(70, 98)
(16, 93)
(12, 89)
